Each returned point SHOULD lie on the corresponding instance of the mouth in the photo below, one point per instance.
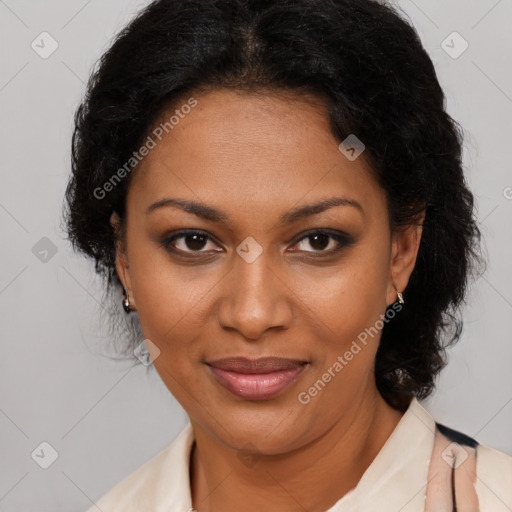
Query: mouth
(256, 379)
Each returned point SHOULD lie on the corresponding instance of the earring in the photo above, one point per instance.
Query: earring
(126, 302)
(400, 297)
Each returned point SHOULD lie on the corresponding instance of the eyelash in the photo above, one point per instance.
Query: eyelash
(342, 239)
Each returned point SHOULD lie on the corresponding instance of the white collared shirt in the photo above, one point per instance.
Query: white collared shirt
(395, 481)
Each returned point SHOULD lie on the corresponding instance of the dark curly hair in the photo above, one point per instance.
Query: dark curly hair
(367, 62)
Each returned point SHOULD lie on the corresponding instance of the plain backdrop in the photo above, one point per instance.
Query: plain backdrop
(101, 418)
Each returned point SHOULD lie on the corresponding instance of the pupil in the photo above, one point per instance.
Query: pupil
(197, 243)
(323, 238)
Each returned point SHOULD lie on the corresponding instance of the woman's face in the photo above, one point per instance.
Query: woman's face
(270, 275)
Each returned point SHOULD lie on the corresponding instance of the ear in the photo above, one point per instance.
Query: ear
(122, 264)
(404, 251)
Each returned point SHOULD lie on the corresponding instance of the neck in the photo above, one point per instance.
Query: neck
(311, 478)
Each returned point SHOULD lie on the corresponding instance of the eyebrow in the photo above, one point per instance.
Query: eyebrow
(209, 213)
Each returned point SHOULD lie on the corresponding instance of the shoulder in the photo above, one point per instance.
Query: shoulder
(136, 491)
(494, 479)
(153, 484)
(493, 483)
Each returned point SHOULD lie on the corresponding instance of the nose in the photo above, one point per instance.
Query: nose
(254, 299)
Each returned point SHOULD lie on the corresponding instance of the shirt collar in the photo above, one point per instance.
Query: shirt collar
(396, 479)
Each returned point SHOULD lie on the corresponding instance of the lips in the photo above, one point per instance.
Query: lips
(256, 379)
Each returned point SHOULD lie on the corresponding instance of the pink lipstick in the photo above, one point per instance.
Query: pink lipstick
(256, 379)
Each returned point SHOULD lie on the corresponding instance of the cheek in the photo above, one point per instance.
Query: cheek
(167, 294)
(351, 298)
(172, 313)
(349, 322)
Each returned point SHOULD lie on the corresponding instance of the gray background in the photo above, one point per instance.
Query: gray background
(105, 418)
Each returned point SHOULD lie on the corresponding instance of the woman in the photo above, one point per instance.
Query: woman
(276, 189)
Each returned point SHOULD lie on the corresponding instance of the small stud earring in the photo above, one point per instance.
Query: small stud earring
(126, 302)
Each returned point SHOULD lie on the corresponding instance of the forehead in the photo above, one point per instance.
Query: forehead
(249, 151)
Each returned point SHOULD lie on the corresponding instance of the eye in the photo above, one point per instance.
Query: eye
(194, 242)
(323, 241)
(189, 242)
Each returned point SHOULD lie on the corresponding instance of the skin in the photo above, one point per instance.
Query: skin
(255, 157)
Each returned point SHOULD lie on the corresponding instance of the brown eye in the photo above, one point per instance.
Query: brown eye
(323, 242)
(194, 242)
(189, 242)
(319, 241)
